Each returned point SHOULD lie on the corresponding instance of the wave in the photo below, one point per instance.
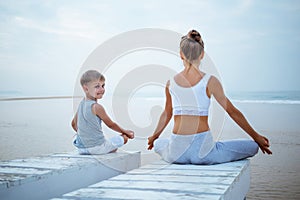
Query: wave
(289, 102)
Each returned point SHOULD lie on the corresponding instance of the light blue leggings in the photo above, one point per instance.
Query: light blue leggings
(201, 149)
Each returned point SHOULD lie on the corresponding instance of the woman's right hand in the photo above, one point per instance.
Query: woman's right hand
(263, 144)
(151, 140)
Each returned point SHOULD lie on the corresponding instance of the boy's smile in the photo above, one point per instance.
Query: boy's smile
(95, 89)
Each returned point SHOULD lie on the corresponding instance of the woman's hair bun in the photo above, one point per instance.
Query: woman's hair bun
(191, 45)
(193, 34)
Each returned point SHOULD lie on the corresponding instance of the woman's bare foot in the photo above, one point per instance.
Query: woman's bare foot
(113, 151)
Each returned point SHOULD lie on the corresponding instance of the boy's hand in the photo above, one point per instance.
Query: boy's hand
(129, 134)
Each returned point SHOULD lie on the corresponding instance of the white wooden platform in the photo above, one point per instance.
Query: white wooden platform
(229, 181)
(51, 176)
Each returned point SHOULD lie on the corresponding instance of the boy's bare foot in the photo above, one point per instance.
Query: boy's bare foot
(125, 138)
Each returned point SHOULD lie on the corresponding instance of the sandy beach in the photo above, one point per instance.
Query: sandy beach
(276, 176)
(42, 126)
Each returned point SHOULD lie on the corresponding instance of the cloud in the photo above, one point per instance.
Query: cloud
(65, 30)
(243, 6)
(76, 20)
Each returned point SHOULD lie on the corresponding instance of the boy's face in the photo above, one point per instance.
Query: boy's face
(94, 89)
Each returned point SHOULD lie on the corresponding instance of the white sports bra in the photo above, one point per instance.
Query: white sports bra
(190, 100)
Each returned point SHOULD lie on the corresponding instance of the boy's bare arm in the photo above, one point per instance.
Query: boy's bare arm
(74, 123)
(100, 112)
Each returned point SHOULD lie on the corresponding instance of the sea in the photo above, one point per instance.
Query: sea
(41, 125)
(273, 97)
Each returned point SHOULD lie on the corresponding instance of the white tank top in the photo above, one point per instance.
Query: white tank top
(190, 100)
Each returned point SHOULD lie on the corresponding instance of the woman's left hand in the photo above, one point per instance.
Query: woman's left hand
(263, 144)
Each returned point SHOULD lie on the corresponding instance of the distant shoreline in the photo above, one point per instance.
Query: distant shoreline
(38, 98)
(251, 101)
(271, 97)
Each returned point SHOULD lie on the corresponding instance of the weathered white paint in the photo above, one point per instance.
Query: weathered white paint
(54, 175)
(228, 181)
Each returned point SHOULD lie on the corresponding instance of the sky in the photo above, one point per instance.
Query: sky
(254, 45)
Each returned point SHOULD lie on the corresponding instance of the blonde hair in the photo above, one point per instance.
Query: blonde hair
(91, 75)
(192, 45)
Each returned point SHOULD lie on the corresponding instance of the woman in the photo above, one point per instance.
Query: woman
(188, 97)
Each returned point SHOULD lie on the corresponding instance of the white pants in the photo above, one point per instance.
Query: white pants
(201, 149)
(108, 146)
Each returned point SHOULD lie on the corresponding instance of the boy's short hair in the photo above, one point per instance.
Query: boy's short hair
(91, 75)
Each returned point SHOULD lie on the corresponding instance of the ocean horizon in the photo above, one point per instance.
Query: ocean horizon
(272, 97)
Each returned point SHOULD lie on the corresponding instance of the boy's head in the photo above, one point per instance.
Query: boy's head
(93, 83)
(91, 75)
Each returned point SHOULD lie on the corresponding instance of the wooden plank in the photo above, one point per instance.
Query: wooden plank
(50, 176)
(162, 181)
(135, 194)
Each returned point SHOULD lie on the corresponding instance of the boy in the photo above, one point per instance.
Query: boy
(89, 116)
